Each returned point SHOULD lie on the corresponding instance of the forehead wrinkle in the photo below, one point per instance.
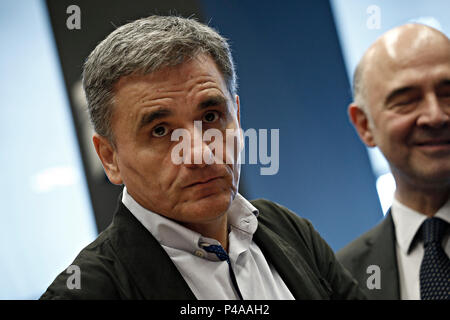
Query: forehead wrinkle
(204, 89)
(165, 89)
(141, 94)
(171, 85)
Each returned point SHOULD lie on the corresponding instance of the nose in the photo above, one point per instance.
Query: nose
(199, 155)
(433, 114)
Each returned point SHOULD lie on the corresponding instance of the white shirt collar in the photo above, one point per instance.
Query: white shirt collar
(241, 216)
(408, 221)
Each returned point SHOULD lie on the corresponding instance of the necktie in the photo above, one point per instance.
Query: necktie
(218, 250)
(223, 256)
(435, 267)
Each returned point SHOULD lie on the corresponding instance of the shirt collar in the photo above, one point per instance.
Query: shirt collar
(241, 216)
(408, 221)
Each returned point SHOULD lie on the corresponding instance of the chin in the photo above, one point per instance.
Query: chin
(219, 202)
(209, 207)
(435, 179)
(438, 182)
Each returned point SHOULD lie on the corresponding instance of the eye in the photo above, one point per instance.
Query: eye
(407, 104)
(160, 131)
(444, 94)
(408, 101)
(211, 116)
(402, 104)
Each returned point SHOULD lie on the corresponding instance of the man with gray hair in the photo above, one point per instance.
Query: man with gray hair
(181, 229)
(402, 105)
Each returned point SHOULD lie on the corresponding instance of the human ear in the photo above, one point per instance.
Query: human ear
(108, 156)
(361, 122)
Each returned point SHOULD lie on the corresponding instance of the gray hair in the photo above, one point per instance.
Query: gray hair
(142, 47)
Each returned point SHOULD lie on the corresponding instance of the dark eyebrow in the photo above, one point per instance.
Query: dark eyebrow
(149, 117)
(211, 102)
(397, 93)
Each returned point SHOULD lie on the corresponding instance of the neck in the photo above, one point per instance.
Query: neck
(426, 201)
(216, 229)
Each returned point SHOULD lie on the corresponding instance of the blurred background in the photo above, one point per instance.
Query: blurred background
(294, 62)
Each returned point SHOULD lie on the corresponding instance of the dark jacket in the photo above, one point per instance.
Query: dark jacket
(127, 262)
(375, 247)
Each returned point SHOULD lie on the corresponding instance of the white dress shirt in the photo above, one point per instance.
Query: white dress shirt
(205, 274)
(410, 249)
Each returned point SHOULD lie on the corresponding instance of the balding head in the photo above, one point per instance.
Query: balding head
(400, 47)
(402, 104)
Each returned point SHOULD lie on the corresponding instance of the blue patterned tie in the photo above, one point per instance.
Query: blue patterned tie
(223, 256)
(435, 267)
(219, 251)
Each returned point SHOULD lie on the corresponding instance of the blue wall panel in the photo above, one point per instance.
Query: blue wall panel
(292, 77)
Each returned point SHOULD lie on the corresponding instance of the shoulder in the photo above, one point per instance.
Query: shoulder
(92, 275)
(361, 247)
(295, 230)
(278, 217)
(356, 246)
(313, 253)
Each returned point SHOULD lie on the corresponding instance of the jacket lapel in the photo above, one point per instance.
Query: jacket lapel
(149, 265)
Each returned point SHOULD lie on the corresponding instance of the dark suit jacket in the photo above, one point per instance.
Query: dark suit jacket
(127, 262)
(375, 247)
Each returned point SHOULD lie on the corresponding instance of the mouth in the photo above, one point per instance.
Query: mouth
(203, 181)
(434, 142)
(434, 145)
